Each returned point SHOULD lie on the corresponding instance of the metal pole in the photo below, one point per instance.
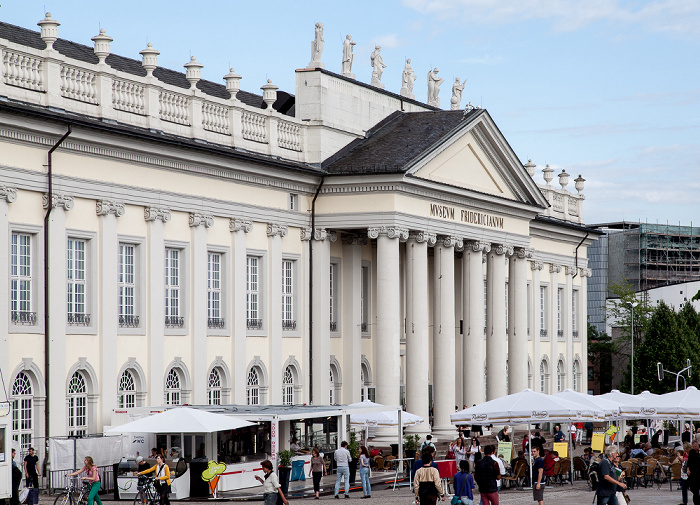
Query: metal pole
(632, 380)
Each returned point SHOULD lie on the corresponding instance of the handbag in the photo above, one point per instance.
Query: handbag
(23, 495)
(456, 500)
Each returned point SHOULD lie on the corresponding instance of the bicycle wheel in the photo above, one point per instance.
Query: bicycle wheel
(63, 499)
(141, 498)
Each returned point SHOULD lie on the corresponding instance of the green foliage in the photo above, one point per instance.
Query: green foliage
(411, 442)
(286, 457)
(354, 445)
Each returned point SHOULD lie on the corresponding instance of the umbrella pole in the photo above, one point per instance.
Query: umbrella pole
(529, 453)
(571, 458)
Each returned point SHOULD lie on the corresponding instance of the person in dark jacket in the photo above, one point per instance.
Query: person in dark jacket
(487, 474)
(16, 480)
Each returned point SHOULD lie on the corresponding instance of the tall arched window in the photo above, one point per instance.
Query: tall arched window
(214, 387)
(22, 411)
(173, 388)
(332, 387)
(288, 387)
(127, 390)
(77, 406)
(544, 376)
(561, 375)
(253, 387)
(576, 378)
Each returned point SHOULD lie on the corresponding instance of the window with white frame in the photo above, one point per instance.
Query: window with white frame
(288, 321)
(529, 310)
(364, 299)
(173, 318)
(529, 373)
(544, 377)
(543, 311)
(293, 201)
(22, 411)
(288, 387)
(253, 307)
(21, 281)
(574, 313)
(173, 388)
(367, 391)
(77, 405)
(333, 297)
(253, 387)
(214, 387)
(561, 376)
(214, 315)
(576, 377)
(127, 286)
(77, 288)
(127, 390)
(332, 387)
(560, 300)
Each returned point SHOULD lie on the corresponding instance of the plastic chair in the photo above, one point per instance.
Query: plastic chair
(518, 477)
(580, 467)
(380, 462)
(675, 471)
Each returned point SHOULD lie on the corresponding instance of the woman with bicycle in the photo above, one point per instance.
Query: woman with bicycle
(162, 474)
(92, 479)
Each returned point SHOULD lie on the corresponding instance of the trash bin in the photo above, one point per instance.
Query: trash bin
(298, 470)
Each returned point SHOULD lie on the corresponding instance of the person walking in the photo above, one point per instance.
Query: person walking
(487, 474)
(32, 474)
(426, 483)
(538, 472)
(16, 480)
(162, 472)
(92, 478)
(317, 470)
(474, 449)
(271, 485)
(464, 484)
(608, 484)
(342, 461)
(693, 471)
(428, 442)
(364, 472)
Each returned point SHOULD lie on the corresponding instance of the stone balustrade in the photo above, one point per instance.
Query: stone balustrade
(564, 204)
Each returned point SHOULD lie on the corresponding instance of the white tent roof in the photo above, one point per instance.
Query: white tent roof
(675, 405)
(383, 418)
(610, 408)
(182, 420)
(527, 406)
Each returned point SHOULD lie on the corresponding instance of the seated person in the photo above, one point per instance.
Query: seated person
(295, 445)
(637, 452)
(548, 463)
(519, 457)
(587, 455)
(648, 449)
(503, 435)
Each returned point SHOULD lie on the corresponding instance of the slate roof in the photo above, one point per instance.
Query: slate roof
(131, 66)
(391, 145)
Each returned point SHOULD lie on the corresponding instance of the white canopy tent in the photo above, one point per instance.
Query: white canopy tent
(610, 408)
(182, 420)
(389, 417)
(676, 405)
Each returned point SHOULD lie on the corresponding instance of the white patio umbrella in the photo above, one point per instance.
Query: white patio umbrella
(610, 408)
(384, 418)
(676, 405)
(182, 420)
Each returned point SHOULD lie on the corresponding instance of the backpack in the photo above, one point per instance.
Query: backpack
(594, 476)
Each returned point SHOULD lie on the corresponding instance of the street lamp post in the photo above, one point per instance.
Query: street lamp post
(631, 306)
(689, 368)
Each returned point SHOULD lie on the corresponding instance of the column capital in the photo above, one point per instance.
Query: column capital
(423, 236)
(503, 249)
(236, 224)
(274, 229)
(201, 219)
(7, 193)
(389, 231)
(536, 265)
(156, 214)
(354, 239)
(554, 269)
(105, 207)
(58, 200)
(524, 252)
(586, 272)
(450, 241)
(570, 270)
(478, 246)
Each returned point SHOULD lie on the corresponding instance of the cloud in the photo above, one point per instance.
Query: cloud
(674, 16)
(678, 98)
(388, 41)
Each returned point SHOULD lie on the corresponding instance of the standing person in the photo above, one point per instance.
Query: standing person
(464, 483)
(92, 477)
(426, 483)
(487, 474)
(687, 434)
(364, 472)
(607, 487)
(684, 473)
(428, 442)
(32, 474)
(693, 471)
(558, 434)
(474, 449)
(271, 485)
(342, 461)
(16, 479)
(317, 470)
(538, 472)
(572, 434)
(503, 435)
(579, 432)
(162, 479)
(526, 444)
(460, 451)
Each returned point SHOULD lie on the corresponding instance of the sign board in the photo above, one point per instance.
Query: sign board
(562, 448)
(598, 442)
(505, 449)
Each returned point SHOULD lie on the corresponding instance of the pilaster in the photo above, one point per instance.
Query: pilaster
(536, 267)
(199, 222)
(7, 196)
(553, 336)
(239, 229)
(275, 232)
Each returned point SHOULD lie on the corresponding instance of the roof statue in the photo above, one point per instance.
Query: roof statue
(434, 83)
(348, 57)
(408, 77)
(378, 67)
(457, 89)
(317, 47)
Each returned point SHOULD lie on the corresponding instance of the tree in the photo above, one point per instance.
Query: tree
(689, 326)
(601, 349)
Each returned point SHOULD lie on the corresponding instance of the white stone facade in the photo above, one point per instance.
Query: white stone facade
(182, 266)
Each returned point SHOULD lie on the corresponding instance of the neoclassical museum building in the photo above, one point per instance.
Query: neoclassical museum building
(172, 240)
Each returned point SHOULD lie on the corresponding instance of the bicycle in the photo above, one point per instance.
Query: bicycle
(147, 494)
(73, 496)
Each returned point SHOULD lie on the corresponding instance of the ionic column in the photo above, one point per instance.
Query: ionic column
(199, 222)
(320, 329)
(108, 301)
(239, 228)
(536, 267)
(496, 321)
(275, 232)
(417, 328)
(444, 334)
(156, 218)
(388, 319)
(7, 196)
(352, 315)
(568, 303)
(473, 349)
(554, 337)
(517, 314)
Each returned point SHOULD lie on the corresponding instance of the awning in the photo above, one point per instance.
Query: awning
(182, 420)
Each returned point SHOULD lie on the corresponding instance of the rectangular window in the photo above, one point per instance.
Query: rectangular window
(75, 256)
(364, 299)
(529, 310)
(288, 322)
(21, 305)
(574, 313)
(543, 311)
(293, 201)
(253, 312)
(127, 286)
(333, 298)
(172, 289)
(214, 317)
(560, 298)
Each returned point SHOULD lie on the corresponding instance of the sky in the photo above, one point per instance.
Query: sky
(609, 89)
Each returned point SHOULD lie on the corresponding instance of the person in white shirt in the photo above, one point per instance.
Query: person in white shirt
(271, 485)
(342, 460)
(501, 469)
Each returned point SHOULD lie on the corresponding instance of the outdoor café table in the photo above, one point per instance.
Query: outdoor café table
(447, 469)
(399, 468)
